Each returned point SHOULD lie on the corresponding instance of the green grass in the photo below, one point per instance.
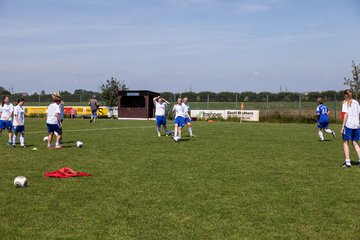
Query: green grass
(233, 181)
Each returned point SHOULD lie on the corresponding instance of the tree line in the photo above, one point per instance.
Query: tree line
(109, 92)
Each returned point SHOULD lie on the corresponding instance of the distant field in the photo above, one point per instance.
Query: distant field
(233, 181)
(231, 105)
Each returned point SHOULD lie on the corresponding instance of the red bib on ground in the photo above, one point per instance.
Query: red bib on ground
(66, 172)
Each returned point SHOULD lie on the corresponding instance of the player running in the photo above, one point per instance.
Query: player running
(18, 123)
(322, 113)
(160, 107)
(180, 115)
(53, 121)
(94, 105)
(350, 127)
(6, 111)
(187, 119)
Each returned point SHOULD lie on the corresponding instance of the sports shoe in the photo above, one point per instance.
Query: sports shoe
(333, 134)
(59, 147)
(49, 147)
(192, 135)
(23, 146)
(345, 166)
(14, 146)
(9, 143)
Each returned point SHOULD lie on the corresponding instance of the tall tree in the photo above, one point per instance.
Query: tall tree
(354, 82)
(109, 91)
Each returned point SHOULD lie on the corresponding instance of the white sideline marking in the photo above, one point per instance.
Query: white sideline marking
(92, 129)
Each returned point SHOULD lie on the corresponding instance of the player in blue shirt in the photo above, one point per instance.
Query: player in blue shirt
(322, 113)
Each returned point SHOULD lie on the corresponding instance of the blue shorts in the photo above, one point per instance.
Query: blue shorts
(160, 120)
(19, 129)
(5, 124)
(53, 128)
(180, 121)
(351, 134)
(94, 113)
(323, 125)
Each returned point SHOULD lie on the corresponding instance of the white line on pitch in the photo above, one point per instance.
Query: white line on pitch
(94, 129)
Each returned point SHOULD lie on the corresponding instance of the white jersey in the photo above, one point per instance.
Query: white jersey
(353, 112)
(7, 111)
(186, 108)
(179, 111)
(160, 108)
(19, 113)
(51, 113)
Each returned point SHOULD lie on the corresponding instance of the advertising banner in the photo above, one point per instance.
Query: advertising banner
(244, 115)
(68, 110)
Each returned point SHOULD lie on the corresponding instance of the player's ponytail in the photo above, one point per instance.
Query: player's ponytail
(20, 100)
(3, 100)
(348, 96)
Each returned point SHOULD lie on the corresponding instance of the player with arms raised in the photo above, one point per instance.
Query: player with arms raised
(160, 118)
(322, 113)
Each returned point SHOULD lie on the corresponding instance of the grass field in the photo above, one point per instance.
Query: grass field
(233, 181)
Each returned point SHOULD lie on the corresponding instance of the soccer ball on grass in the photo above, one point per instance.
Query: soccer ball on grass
(20, 182)
(79, 144)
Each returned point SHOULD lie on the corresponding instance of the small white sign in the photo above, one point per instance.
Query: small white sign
(244, 115)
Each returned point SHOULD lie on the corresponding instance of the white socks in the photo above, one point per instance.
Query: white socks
(328, 131)
(190, 131)
(321, 135)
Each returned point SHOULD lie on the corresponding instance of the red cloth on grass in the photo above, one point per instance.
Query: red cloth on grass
(66, 172)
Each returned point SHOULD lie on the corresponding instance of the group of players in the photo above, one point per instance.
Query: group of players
(14, 117)
(350, 128)
(181, 111)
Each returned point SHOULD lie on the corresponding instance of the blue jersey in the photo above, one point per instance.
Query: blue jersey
(322, 111)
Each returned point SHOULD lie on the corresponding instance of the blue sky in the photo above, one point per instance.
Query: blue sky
(175, 45)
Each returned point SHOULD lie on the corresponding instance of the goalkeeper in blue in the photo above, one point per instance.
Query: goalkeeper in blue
(322, 113)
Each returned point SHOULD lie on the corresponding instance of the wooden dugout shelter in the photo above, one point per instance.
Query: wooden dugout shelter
(136, 104)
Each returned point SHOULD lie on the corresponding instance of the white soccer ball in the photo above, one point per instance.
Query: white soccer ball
(20, 182)
(45, 139)
(79, 144)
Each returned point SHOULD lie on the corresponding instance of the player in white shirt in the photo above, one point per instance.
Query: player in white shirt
(160, 109)
(6, 112)
(180, 115)
(53, 121)
(187, 119)
(62, 112)
(19, 122)
(350, 127)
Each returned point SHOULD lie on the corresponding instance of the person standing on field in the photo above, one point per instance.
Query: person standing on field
(18, 123)
(186, 106)
(94, 105)
(322, 113)
(6, 114)
(350, 126)
(160, 118)
(53, 122)
(180, 115)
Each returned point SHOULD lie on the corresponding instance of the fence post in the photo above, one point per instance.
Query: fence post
(267, 106)
(335, 107)
(236, 105)
(300, 104)
(207, 103)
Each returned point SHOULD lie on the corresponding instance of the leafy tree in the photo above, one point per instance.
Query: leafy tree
(354, 83)
(110, 89)
(4, 92)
